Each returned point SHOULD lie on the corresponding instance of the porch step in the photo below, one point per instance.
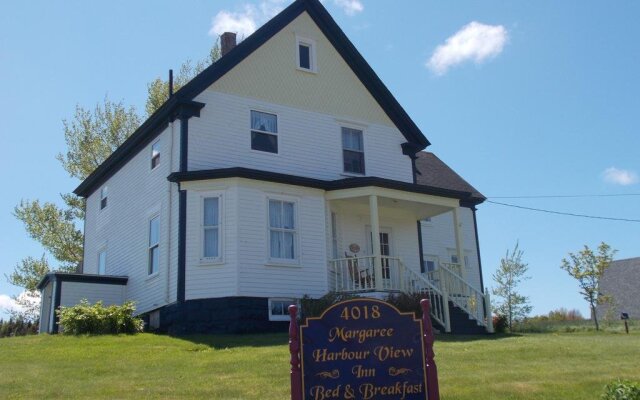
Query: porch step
(462, 324)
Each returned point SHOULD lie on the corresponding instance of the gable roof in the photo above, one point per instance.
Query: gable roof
(433, 172)
(154, 125)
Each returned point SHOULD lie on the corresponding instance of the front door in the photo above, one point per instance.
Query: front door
(385, 249)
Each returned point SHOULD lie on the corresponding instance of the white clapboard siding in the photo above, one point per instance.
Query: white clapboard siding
(136, 193)
(309, 143)
(438, 238)
(245, 269)
(73, 292)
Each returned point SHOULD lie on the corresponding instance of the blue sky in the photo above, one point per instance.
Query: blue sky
(521, 98)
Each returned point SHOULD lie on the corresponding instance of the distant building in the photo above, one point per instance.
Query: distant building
(621, 281)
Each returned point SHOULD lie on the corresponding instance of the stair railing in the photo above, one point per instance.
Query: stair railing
(465, 296)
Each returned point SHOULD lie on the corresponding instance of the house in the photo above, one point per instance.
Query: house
(620, 283)
(285, 169)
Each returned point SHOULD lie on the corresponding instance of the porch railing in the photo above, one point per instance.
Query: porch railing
(357, 274)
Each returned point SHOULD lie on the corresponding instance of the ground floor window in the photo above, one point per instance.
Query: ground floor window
(279, 309)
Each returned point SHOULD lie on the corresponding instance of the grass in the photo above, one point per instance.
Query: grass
(528, 366)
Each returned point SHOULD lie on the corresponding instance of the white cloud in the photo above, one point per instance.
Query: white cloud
(7, 303)
(617, 176)
(245, 21)
(350, 7)
(250, 16)
(475, 41)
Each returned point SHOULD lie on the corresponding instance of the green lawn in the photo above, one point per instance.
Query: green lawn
(531, 366)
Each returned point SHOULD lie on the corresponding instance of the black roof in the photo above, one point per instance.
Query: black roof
(433, 172)
(154, 125)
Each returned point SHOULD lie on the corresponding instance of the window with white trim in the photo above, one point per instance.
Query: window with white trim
(154, 245)
(430, 263)
(282, 230)
(306, 54)
(102, 262)
(264, 132)
(211, 243)
(155, 154)
(279, 309)
(352, 150)
(104, 193)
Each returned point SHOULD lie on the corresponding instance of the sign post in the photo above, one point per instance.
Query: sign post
(363, 349)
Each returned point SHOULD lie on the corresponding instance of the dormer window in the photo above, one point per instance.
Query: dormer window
(306, 54)
(104, 192)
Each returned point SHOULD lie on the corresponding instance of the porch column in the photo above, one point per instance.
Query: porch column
(375, 240)
(459, 245)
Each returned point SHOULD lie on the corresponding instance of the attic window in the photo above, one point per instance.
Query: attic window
(306, 54)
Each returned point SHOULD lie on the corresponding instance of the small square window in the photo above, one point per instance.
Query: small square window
(104, 192)
(279, 309)
(306, 54)
(264, 132)
(155, 155)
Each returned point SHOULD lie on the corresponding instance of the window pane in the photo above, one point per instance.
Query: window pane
(211, 242)
(288, 246)
(264, 122)
(287, 216)
(211, 211)
(431, 266)
(352, 139)
(155, 154)
(275, 247)
(102, 262)
(154, 231)
(353, 162)
(154, 255)
(264, 142)
(305, 56)
(275, 214)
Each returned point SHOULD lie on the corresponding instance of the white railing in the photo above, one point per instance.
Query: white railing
(414, 283)
(358, 274)
(462, 294)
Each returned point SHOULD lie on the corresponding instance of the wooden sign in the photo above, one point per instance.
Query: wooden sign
(363, 349)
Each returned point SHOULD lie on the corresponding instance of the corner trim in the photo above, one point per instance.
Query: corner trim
(182, 246)
(475, 230)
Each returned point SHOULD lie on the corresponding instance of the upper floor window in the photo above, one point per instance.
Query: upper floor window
(154, 243)
(306, 54)
(104, 192)
(264, 131)
(352, 150)
(155, 154)
(211, 228)
(102, 262)
(282, 230)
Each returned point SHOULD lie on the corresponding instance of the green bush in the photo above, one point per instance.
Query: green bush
(500, 323)
(97, 319)
(621, 390)
(406, 302)
(315, 307)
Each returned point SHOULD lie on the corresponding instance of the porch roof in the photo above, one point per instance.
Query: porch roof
(340, 184)
(433, 172)
(85, 278)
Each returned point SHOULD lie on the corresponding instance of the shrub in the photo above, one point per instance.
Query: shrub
(315, 307)
(621, 390)
(407, 302)
(500, 323)
(99, 320)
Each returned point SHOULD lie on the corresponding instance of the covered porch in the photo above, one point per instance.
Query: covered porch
(375, 249)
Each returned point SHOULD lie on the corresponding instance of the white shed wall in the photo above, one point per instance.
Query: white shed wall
(73, 292)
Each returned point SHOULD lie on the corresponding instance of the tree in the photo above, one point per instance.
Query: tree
(91, 136)
(587, 268)
(158, 89)
(510, 274)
